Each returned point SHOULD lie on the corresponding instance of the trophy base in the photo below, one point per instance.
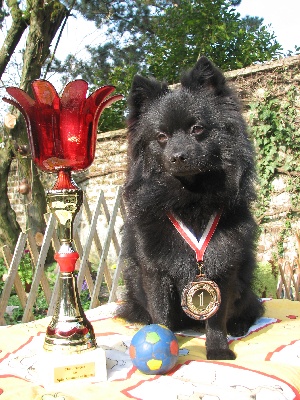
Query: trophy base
(69, 330)
(70, 336)
(65, 369)
(66, 349)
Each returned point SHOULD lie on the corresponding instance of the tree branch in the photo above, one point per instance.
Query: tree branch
(277, 213)
(14, 34)
(290, 173)
(45, 19)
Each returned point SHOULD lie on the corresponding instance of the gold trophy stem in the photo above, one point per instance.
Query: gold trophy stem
(69, 331)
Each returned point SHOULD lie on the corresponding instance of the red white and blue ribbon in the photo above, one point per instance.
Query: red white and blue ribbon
(199, 246)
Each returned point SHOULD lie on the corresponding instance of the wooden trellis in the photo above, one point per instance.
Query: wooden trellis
(39, 257)
(289, 279)
(289, 282)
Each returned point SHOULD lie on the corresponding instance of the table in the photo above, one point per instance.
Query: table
(267, 364)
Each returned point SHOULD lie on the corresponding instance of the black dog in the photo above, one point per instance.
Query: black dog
(189, 156)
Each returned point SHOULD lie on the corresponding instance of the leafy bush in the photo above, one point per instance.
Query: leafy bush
(3, 271)
(265, 280)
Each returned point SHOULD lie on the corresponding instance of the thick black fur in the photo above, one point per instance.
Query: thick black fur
(189, 154)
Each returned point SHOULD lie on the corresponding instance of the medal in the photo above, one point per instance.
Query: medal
(201, 298)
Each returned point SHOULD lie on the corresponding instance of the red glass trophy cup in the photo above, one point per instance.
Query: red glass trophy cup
(62, 134)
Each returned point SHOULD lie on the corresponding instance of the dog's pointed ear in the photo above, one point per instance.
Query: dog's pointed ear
(205, 74)
(143, 91)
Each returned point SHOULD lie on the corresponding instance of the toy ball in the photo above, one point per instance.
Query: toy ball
(154, 349)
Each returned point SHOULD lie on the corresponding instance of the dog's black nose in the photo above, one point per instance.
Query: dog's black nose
(178, 158)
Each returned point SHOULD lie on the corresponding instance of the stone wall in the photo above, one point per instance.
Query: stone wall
(252, 84)
(108, 170)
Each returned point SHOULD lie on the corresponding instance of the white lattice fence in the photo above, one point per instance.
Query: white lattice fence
(101, 245)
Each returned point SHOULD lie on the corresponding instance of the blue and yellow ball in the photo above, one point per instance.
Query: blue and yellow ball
(154, 349)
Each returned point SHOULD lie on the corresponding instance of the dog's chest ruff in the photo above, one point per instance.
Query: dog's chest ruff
(199, 246)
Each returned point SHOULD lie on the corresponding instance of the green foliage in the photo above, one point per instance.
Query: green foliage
(3, 271)
(163, 38)
(25, 272)
(93, 10)
(51, 272)
(277, 141)
(25, 268)
(40, 307)
(3, 14)
(294, 52)
(228, 40)
(265, 280)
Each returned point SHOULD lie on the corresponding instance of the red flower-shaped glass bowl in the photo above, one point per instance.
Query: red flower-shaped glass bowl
(62, 131)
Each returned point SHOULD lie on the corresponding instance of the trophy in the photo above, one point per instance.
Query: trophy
(62, 135)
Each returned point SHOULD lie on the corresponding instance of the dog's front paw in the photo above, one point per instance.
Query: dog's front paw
(238, 329)
(220, 354)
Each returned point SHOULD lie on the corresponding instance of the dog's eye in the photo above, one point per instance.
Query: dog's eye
(162, 138)
(197, 130)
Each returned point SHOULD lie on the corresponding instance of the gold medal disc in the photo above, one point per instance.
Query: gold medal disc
(200, 300)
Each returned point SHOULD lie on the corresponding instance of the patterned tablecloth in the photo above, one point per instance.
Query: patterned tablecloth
(267, 364)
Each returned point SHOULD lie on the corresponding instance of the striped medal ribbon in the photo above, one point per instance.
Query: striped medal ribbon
(201, 298)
